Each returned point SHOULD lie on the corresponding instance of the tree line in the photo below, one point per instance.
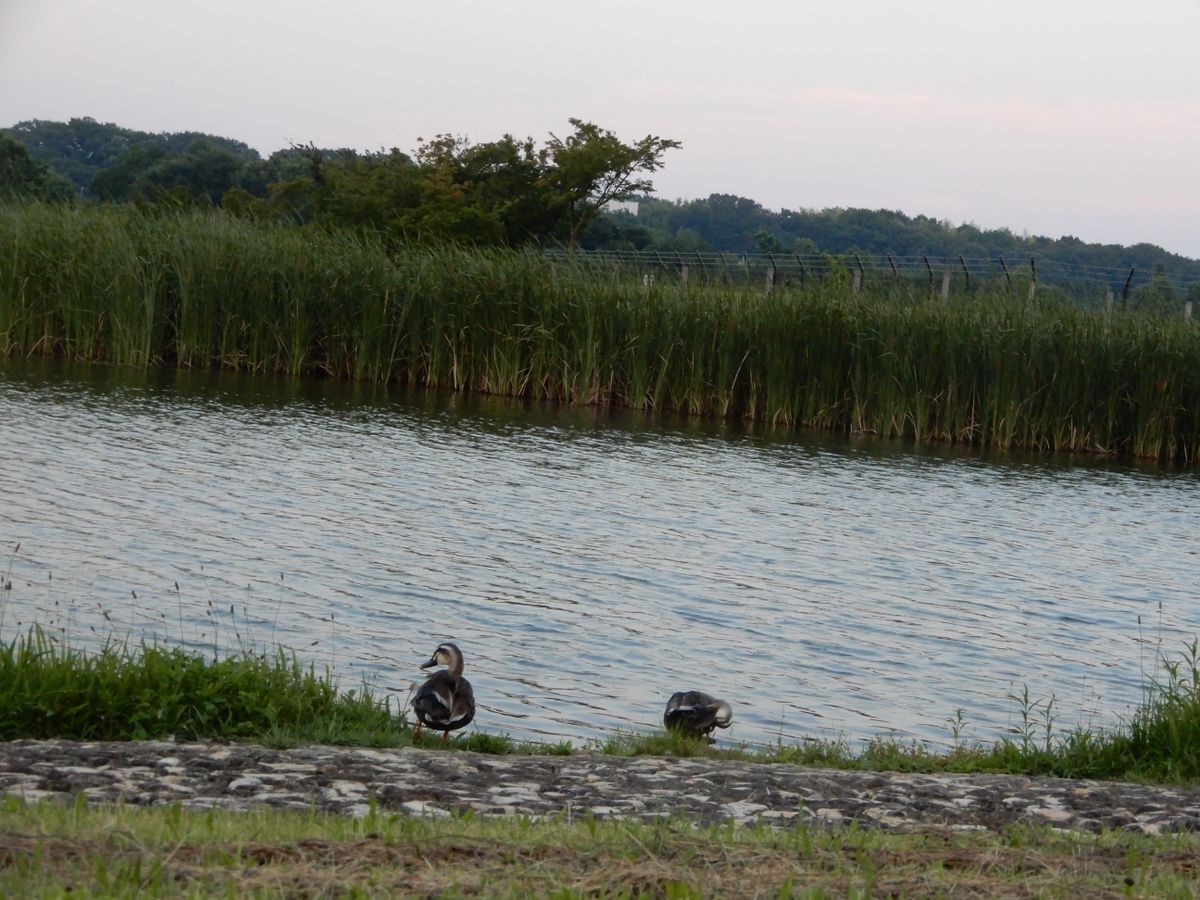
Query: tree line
(507, 192)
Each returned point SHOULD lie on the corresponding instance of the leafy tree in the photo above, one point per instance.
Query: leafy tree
(1157, 296)
(593, 167)
(119, 181)
(765, 242)
(373, 191)
(508, 178)
(295, 200)
(203, 173)
(618, 231)
(685, 240)
(80, 148)
(21, 175)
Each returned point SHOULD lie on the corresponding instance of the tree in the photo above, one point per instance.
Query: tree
(81, 148)
(374, 191)
(22, 175)
(765, 242)
(508, 178)
(1157, 296)
(592, 167)
(118, 181)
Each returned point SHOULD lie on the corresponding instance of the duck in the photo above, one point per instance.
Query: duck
(446, 700)
(696, 714)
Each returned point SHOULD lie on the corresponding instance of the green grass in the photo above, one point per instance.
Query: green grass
(54, 850)
(202, 288)
(49, 689)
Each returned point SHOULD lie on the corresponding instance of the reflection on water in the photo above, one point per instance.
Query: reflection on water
(590, 563)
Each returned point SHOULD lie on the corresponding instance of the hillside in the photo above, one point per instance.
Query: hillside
(485, 194)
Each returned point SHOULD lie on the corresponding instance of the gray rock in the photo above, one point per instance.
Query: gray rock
(438, 783)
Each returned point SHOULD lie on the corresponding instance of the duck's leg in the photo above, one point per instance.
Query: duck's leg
(417, 733)
(445, 734)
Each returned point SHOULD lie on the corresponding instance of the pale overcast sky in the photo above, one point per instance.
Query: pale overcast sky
(1052, 117)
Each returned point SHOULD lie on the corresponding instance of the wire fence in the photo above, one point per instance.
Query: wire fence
(940, 272)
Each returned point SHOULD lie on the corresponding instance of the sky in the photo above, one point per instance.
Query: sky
(1050, 118)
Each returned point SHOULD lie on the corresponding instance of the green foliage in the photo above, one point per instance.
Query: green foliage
(592, 167)
(81, 148)
(51, 689)
(500, 193)
(512, 192)
(23, 176)
(725, 222)
(204, 288)
(1161, 743)
(1158, 296)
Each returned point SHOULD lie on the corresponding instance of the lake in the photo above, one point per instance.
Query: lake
(588, 562)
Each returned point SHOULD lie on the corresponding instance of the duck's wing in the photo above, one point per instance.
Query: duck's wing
(686, 709)
(697, 712)
(462, 710)
(434, 700)
(686, 701)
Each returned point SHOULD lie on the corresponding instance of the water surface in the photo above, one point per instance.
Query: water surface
(589, 563)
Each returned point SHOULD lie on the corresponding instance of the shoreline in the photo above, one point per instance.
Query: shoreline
(352, 781)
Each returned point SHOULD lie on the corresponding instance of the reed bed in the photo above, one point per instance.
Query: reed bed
(202, 288)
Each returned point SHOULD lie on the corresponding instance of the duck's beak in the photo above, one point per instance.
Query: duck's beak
(429, 663)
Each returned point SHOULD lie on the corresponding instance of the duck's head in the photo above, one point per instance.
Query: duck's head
(447, 655)
(722, 714)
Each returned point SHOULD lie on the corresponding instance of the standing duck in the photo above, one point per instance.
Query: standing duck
(445, 701)
(696, 714)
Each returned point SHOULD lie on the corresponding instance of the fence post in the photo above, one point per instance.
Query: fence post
(962, 262)
(803, 272)
(860, 276)
(930, 269)
(1125, 290)
(1108, 302)
(1032, 280)
(946, 287)
(856, 282)
(1187, 310)
(1007, 276)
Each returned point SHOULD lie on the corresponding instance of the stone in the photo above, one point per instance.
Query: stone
(705, 791)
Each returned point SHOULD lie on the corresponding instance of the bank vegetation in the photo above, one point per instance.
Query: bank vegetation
(202, 288)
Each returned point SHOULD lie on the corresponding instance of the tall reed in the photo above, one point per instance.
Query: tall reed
(207, 289)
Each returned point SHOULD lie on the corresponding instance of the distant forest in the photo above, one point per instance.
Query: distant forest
(510, 192)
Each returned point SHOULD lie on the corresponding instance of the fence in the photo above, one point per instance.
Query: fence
(940, 273)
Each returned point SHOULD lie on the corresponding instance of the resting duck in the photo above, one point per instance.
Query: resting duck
(696, 714)
(445, 701)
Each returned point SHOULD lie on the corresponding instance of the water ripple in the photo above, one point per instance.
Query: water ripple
(590, 565)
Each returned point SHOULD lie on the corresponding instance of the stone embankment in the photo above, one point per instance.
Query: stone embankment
(435, 783)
